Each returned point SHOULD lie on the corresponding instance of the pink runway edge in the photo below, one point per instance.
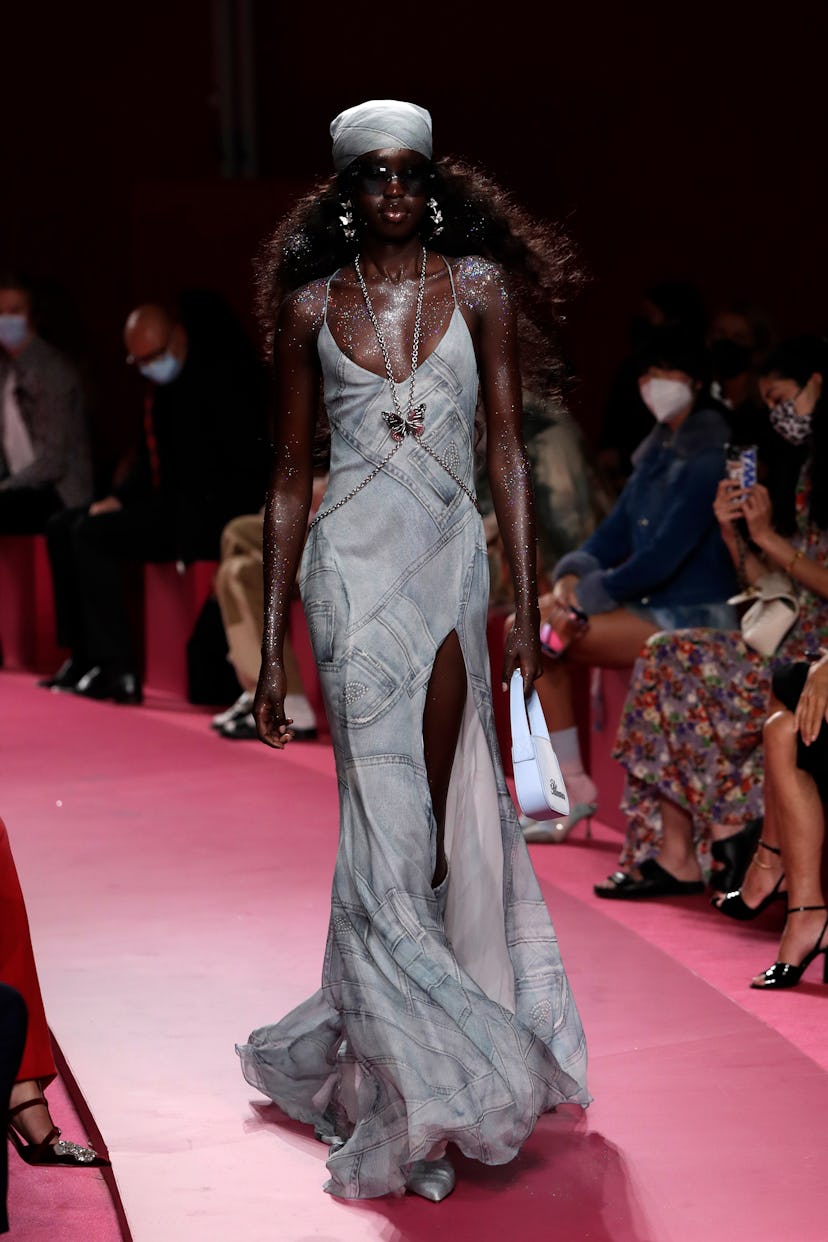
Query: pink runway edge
(178, 887)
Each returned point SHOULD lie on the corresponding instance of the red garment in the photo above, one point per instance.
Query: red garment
(17, 968)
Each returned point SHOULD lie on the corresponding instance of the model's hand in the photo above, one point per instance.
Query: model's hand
(758, 513)
(728, 503)
(110, 504)
(812, 708)
(523, 651)
(269, 705)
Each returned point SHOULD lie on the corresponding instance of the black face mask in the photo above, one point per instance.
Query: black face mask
(729, 359)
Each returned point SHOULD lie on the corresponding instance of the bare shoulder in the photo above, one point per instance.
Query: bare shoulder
(303, 310)
(481, 283)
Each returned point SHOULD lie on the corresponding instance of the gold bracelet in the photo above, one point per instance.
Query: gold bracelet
(793, 561)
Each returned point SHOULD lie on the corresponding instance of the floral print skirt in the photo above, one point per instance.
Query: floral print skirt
(691, 732)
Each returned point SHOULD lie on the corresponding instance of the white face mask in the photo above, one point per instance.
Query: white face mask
(665, 398)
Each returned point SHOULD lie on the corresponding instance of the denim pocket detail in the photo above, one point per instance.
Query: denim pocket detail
(404, 906)
(450, 441)
(320, 615)
(445, 373)
(437, 480)
(365, 689)
(550, 1014)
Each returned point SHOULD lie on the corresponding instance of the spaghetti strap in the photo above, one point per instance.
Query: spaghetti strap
(451, 278)
(328, 294)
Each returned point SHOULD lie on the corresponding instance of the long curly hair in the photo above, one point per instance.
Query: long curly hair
(478, 218)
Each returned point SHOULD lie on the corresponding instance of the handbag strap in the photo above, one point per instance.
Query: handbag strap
(767, 588)
(526, 717)
(537, 720)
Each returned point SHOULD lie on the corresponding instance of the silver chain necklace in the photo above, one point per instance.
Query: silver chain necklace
(400, 423)
(411, 422)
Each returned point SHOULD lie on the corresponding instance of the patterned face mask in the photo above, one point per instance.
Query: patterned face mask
(792, 426)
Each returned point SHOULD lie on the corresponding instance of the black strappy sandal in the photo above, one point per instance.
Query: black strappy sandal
(734, 905)
(785, 975)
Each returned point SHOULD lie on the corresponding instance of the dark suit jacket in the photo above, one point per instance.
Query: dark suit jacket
(212, 450)
(50, 397)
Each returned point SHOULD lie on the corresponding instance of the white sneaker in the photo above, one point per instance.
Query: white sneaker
(241, 707)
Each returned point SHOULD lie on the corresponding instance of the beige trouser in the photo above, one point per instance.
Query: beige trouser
(240, 593)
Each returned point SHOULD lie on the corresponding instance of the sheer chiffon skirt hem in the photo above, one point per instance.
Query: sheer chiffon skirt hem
(442, 1018)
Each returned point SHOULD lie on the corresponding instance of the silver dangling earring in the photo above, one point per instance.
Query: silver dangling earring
(347, 220)
(436, 217)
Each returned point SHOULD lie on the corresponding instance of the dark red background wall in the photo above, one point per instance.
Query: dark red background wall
(676, 141)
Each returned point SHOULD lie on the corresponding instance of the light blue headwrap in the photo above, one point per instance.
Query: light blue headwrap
(376, 124)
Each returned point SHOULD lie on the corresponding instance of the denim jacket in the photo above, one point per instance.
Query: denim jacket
(660, 546)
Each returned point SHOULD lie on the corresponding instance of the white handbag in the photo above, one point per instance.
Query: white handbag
(539, 783)
(773, 611)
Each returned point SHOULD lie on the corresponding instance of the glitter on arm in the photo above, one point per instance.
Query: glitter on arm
(508, 466)
(289, 494)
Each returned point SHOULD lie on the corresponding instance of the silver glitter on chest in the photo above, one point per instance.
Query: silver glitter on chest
(411, 422)
(400, 423)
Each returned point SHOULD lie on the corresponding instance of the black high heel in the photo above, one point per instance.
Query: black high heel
(785, 975)
(734, 905)
(67, 1154)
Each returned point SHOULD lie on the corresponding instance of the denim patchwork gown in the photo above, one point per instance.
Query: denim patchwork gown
(442, 1016)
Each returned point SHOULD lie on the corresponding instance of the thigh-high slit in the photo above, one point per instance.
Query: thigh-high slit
(442, 720)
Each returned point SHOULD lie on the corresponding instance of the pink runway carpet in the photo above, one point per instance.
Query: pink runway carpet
(177, 886)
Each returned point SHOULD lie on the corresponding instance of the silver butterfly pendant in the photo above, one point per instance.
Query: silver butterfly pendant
(406, 426)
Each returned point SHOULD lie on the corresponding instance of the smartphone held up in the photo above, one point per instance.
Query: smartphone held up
(555, 644)
(742, 465)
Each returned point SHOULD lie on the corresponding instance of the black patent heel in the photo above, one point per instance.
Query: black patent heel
(783, 974)
(734, 905)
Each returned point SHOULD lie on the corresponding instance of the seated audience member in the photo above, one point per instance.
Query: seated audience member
(45, 462)
(626, 420)
(739, 340)
(657, 562)
(790, 852)
(31, 1129)
(691, 732)
(240, 593)
(13, 1021)
(201, 462)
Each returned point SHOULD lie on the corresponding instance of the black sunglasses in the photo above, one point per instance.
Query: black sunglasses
(373, 178)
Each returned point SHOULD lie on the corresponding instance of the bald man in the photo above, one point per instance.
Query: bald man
(201, 462)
